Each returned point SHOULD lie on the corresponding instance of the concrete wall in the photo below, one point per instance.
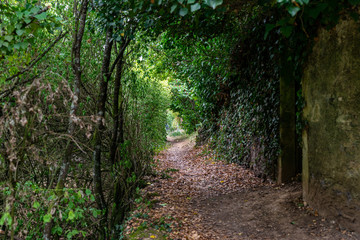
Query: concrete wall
(331, 141)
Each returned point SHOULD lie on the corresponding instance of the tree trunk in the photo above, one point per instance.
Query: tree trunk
(117, 140)
(102, 98)
(287, 159)
(80, 21)
(117, 113)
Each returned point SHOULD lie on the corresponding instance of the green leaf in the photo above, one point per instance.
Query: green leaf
(183, 12)
(34, 10)
(293, 10)
(72, 234)
(24, 45)
(92, 198)
(47, 218)
(195, 7)
(286, 30)
(88, 192)
(315, 11)
(283, 21)
(6, 217)
(69, 235)
(27, 20)
(27, 13)
(9, 38)
(11, 28)
(57, 230)
(19, 14)
(173, 7)
(20, 32)
(299, 2)
(306, 1)
(214, 3)
(268, 28)
(36, 205)
(71, 205)
(96, 212)
(190, 1)
(41, 16)
(71, 215)
(181, 1)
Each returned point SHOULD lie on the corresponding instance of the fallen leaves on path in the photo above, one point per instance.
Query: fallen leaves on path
(185, 174)
(195, 196)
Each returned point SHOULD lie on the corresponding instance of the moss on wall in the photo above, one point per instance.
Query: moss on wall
(331, 146)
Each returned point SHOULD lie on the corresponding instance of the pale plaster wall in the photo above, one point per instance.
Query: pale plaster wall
(331, 140)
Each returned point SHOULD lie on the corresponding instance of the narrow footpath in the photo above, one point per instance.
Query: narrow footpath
(194, 196)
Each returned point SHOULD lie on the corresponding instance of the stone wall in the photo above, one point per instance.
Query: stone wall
(331, 140)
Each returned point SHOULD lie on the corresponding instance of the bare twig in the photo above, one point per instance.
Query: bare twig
(7, 92)
(73, 140)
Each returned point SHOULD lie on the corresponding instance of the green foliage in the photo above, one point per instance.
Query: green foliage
(231, 93)
(199, 72)
(244, 126)
(72, 214)
(176, 133)
(21, 23)
(182, 103)
(247, 131)
(309, 14)
(217, 70)
(147, 94)
(194, 6)
(40, 99)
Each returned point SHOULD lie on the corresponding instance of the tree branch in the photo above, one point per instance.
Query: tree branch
(119, 56)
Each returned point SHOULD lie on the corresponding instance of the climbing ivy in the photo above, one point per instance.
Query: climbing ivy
(247, 131)
(238, 107)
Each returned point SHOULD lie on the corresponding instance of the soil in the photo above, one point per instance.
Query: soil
(194, 196)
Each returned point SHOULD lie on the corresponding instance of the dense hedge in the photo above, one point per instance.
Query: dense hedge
(247, 130)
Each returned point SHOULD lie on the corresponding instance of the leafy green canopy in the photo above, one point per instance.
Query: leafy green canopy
(20, 24)
(199, 73)
(230, 87)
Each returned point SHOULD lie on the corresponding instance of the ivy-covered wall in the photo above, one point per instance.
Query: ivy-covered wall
(331, 140)
(247, 127)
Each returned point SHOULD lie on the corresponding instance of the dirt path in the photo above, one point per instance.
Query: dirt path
(193, 196)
